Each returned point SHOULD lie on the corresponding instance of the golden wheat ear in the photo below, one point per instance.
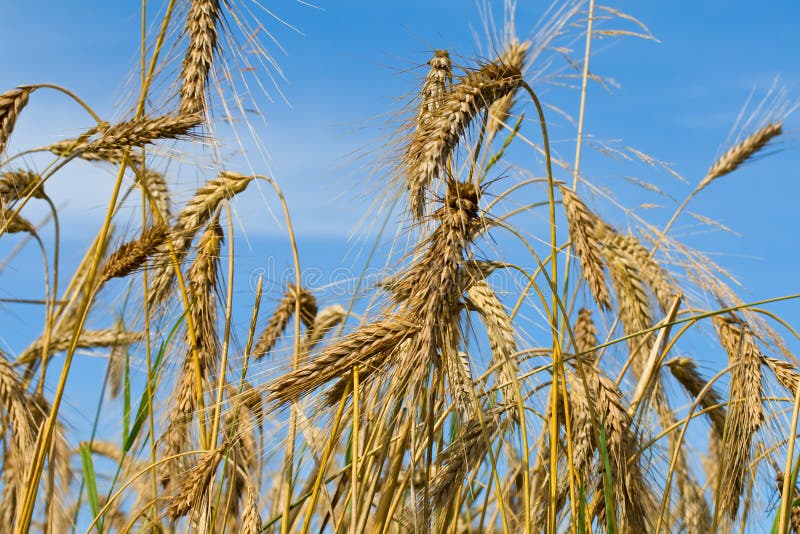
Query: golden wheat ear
(435, 139)
(11, 104)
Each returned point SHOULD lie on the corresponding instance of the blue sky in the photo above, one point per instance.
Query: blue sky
(349, 67)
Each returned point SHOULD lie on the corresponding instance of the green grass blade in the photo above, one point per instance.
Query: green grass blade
(499, 155)
(91, 484)
(144, 402)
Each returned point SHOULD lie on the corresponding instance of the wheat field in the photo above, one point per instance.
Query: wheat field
(531, 355)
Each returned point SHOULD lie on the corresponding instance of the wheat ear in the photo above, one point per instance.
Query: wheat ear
(741, 152)
(282, 315)
(745, 412)
(133, 254)
(582, 223)
(201, 25)
(11, 103)
(435, 140)
(194, 215)
(17, 184)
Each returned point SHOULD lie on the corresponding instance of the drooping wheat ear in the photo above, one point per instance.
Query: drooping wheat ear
(60, 472)
(785, 372)
(361, 347)
(741, 152)
(650, 271)
(15, 185)
(157, 191)
(283, 314)
(464, 453)
(16, 405)
(582, 223)
(685, 372)
(11, 103)
(87, 152)
(139, 132)
(501, 109)
(61, 340)
(437, 85)
(251, 518)
(435, 140)
(133, 254)
(585, 336)
(203, 278)
(13, 223)
(201, 25)
(500, 330)
(17, 416)
(324, 322)
(633, 302)
(430, 293)
(239, 428)
(745, 412)
(196, 213)
(196, 483)
(693, 510)
(630, 490)
(582, 429)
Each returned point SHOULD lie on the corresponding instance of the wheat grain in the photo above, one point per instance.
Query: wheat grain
(61, 340)
(139, 132)
(85, 151)
(585, 333)
(157, 191)
(14, 223)
(360, 347)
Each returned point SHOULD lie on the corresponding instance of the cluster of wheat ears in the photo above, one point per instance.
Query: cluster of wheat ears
(438, 408)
